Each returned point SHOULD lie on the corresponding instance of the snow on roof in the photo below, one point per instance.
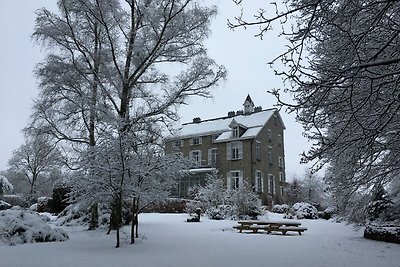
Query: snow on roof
(221, 125)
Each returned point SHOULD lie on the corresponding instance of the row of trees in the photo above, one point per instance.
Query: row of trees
(342, 67)
(114, 75)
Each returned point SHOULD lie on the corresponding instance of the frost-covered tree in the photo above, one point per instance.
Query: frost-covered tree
(222, 203)
(314, 190)
(35, 160)
(128, 65)
(342, 65)
(293, 192)
(5, 186)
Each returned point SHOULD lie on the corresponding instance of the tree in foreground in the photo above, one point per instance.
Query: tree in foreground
(342, 66)
(128, 65)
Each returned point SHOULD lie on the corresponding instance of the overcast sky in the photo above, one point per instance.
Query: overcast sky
(239, 51)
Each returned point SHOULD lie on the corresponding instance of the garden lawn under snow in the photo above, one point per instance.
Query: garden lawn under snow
(167, 240)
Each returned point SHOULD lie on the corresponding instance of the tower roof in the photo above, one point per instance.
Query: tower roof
(248, 99)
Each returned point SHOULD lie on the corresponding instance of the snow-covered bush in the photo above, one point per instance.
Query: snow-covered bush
(15, 200)
(4, 205)
(19, 226)
(5, 186)
(77, 214)
(305, 210)
(383, 232)
(284, 208)
(60, 194)
(220, 203)
(44, 204)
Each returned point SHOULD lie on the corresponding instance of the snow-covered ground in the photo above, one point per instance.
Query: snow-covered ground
(167, 240)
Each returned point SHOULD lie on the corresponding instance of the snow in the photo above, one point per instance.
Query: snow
(19, 226)
(220, 125)
(168, 240)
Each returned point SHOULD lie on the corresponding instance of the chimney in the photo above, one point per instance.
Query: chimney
(196, 120)
(231, 114)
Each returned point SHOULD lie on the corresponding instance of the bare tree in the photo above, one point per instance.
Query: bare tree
(35, 161)
(342, 66)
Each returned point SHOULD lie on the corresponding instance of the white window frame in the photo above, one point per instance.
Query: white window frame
(258, 182)
(193, 157)
(269, 135)
(280, 162)
(258, 150)
(196, 141)
(234, 150)
(212, 156)
(269, 154)
(271, 184)
(281, 177)
(178, 143)
(234, 179)
(235, 131)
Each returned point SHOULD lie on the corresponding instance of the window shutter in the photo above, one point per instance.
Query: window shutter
(190, 155)
(209, 157)
(199, 156)
(240, 179)
(228, 181)
(200, 140)
(229, 151)
(240, 148)
(262, 183)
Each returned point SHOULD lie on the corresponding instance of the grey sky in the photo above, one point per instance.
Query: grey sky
(243, 55)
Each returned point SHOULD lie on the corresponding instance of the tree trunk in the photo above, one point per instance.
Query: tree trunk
(94, 219)
(135, 223)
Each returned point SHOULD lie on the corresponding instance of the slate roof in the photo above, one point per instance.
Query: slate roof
(253, 122)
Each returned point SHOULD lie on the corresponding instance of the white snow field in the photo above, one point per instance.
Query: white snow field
(168, 240)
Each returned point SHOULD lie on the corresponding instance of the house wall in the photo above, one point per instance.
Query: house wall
(249, 163)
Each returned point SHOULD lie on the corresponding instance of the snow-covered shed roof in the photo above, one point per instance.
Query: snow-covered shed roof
(253, 122)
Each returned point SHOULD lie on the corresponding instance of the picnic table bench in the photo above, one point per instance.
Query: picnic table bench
(270, 226)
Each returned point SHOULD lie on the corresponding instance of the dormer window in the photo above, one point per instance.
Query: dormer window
(235, 131)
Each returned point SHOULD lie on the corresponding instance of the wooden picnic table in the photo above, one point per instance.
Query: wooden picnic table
(269, 226)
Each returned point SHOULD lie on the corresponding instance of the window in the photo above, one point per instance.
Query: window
(282, 191)
(258, 182)
(234, 180)
(271, 187)
(234, 150)
(196, 141)
(235, 131)
(280, 162)
(281, 177)
(258, 150)
(269, 155)
(280, 140)
(212, 156)
(195, 155)
(178, 143)
(269, 135)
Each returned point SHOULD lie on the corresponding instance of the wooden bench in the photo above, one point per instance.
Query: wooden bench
(285, 229)
(270, 226)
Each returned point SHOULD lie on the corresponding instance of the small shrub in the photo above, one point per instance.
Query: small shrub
(284, 208)
(305, 210)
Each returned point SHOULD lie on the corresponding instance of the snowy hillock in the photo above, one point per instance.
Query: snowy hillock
(19, 226)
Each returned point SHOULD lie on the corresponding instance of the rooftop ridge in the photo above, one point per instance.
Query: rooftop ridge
(227, 117)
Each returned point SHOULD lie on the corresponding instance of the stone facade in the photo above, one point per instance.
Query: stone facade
(244, 146)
